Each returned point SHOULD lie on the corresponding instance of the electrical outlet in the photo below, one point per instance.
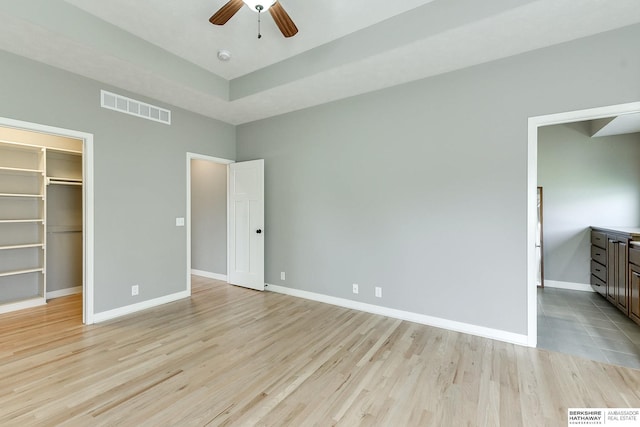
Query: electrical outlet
(355, 288)
(282, 276)
(378, 292)
(135, 290)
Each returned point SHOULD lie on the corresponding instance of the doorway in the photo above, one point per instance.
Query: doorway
(532, 203)
(60, 157)
(206, 217)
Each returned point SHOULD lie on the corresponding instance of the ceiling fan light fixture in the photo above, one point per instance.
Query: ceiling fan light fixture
(265, 5)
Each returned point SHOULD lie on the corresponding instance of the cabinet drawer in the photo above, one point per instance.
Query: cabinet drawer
(599, 254)
(634, 256)
(599, 270)
(598, 285)
(599, 239)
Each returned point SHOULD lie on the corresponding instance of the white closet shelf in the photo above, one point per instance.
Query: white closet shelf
(21, 195)
(20, 171)
(9, 221)
(63, 181)
(25, 271)
(20, 145)
(7, 306)
(29, 245)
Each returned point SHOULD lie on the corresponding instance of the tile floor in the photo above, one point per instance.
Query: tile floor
(585, 324)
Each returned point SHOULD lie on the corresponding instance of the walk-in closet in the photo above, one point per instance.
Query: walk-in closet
(41, 229)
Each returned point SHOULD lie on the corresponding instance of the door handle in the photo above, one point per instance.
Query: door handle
(259, 231)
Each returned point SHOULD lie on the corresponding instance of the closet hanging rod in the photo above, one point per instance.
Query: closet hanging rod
(63, 181)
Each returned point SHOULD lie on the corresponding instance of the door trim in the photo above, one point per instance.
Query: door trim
(540, 194)
(196, 156)
(532, 184)
(87, 204)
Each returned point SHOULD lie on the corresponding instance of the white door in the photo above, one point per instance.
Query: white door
(246, 224)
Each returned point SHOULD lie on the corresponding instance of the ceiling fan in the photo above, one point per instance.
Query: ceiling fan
(279, 15)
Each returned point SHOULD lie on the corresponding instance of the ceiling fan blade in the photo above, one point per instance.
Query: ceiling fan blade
(283, 21)
(226, 12)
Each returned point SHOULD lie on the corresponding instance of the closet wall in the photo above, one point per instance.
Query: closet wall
(64, 223)
(40, 218)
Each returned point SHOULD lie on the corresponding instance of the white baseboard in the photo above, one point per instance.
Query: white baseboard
(20, 305)
(64, 292)
(209, 275)
(133, 308)
(568, 285)
(466, 328)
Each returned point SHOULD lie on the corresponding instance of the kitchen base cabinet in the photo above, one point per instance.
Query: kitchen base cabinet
(634, 285)
(617, 270)
(599, 257)
(615, 267)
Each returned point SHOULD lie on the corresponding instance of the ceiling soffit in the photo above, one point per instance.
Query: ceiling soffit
(434, 38)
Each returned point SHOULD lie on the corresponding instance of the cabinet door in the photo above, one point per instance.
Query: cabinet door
(622, 262)
(634, 292)
(611, 271)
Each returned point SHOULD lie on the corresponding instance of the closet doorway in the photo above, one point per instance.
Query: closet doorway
(206, 217)
(46, 220)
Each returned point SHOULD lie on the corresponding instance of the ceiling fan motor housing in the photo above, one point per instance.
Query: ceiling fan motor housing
(259, 5)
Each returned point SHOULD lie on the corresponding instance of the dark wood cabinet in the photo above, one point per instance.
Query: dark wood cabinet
(599, 259)
(612, 271)
(617, 270)
(615, 267)
(634, 284)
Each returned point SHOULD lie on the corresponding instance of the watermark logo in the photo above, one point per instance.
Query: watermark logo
(616, 417)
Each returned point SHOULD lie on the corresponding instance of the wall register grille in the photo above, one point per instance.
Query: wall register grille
(130, 106)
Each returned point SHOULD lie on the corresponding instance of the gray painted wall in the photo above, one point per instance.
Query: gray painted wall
(64, 237)
(139, 175)
(422, 188)
(209, 216)
(587, 181)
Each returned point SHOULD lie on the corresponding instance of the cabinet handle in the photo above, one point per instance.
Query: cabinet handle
(597, 254)
(597, 269)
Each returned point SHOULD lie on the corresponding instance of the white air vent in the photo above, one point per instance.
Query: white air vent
(135, 108)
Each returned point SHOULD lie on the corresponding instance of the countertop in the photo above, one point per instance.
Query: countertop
(634, 232)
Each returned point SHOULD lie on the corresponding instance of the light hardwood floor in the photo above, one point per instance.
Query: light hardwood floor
(231, 356)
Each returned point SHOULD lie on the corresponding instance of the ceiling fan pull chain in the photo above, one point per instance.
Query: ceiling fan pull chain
(259, 7)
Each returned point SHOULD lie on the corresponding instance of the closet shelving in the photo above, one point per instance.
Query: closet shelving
(22, 223)
(28, 176)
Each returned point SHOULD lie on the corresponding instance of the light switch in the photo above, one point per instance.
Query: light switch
(179, 222)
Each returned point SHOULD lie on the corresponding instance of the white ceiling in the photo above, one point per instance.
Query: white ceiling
(183, 28)
(618, 125)
(165, 49)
